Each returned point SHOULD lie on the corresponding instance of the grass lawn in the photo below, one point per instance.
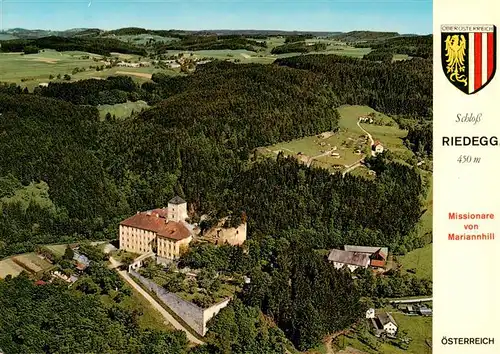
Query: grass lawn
(119, 255)
(345, 142)
(8, 267)
(418, 328)
(122, 110)
(150, 318)
(57, 249)
(419, 259)
(33, 69)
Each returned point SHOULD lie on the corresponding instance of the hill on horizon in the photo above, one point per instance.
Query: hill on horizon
(351, 36)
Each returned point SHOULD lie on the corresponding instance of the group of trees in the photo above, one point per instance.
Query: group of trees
(97, 45)
(298, 47)
(113, 90)
(210, 42)
(89, 316)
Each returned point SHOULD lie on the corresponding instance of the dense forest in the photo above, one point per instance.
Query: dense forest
(210, 42)
(399, 88)
(51, 318)
(113, 90)
(298, 47)
(419, 138)
(81, 175)
(361, 36)
(98, 172)
(103, 46)
(414, 46)
(379, 55)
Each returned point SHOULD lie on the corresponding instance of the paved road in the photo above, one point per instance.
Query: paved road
(154, 303)
(409, 301)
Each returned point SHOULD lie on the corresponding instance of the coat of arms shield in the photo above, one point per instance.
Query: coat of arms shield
(468, 55)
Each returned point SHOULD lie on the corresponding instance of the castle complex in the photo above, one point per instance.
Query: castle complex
(166, 233)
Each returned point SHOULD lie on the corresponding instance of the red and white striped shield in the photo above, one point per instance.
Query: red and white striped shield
(468, 54)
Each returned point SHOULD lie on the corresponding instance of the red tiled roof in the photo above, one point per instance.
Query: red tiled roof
(172, 230)
(161, 212)
(377, 263)
(81, 266)
(40, 282)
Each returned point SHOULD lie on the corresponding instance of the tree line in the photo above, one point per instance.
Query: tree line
(97, 45)
(414, 46)
(298, 47)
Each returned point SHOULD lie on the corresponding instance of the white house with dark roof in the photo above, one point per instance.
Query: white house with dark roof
(384, 323)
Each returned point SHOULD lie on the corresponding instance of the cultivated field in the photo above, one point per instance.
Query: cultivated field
(33, 69)
(383, 129)
(28, 262)
(336, 151)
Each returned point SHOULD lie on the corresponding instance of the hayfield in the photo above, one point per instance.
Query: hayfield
(389, 134)
(8, 267)
(37, 68)
(58, 250)
(420, 260)
(122, 110)
(28, 262)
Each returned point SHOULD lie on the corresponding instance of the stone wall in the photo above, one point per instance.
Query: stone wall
(195, 316)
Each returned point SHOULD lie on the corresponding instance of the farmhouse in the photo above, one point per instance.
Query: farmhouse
(353, 260)
(378, 255)
(163, 232)
(378, 147)
(364, 119)
(384, 323)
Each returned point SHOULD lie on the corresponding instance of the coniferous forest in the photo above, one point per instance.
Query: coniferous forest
(68, 175)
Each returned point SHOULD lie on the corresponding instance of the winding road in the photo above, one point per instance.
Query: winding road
(360, 162)
(168, 317)
(372, 142)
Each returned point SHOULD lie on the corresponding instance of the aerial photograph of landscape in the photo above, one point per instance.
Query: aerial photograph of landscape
(216, 177)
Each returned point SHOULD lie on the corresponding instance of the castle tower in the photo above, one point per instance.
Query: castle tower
(177, 209)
